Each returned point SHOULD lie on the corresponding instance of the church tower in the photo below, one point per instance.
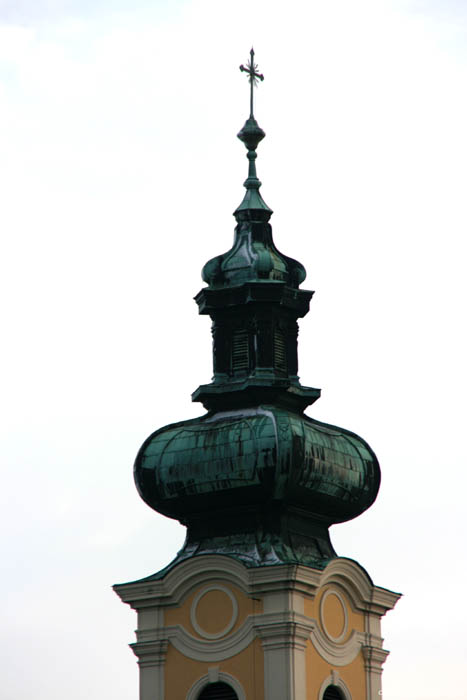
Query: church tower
(257, 605)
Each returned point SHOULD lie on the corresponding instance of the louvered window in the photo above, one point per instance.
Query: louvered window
(240, 353)
(332, 692)
(218, 691)
(280, 359)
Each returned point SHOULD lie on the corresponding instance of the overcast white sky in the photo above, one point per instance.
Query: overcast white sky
(119, 170)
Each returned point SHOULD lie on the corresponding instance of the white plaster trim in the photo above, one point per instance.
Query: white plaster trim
(284, 638)
(374, 658)
(196, 571)
(283, 631)
(341, 636)
(287, 577)
(356, 582)
(212, 650)
(201, 683)
(278, 630)
(334, 679)
(150, 653)
(213, 673)
(183, 580)
(333, 653)
(230, 624)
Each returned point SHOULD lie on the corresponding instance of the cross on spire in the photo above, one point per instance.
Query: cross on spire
(253, 76)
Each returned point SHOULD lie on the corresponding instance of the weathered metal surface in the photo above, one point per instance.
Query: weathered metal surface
(251, 69)
(255, 478)
(261, 470)
(254, 300)
(252, 258)
(273, 453)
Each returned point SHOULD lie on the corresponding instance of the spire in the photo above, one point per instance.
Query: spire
(255, 324)
(253, 206)
(253, 76)
(255, 478)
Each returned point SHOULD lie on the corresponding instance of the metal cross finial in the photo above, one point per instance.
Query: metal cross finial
(253, 76)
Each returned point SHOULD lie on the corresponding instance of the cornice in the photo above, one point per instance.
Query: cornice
(183, 579)
(198, 570)
(283, 630)
(288, 577)
(374, 658)
(355, 580)
(150, 653)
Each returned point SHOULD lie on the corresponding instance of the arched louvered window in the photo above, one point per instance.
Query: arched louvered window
(240, 351)
(332, 692)
(280, 356)
(218, 691)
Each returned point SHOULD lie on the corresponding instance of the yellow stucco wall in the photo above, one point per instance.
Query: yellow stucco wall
(318, 670)
(213, 613)
(247, 667)
(330, 619)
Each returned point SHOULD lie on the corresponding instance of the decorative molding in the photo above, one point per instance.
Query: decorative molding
(213, 673)
(341, 636)
(374, 658)
(287, 577)
(230, 624)
(150, 653)
(356, 582)
(202, 682)
(284, 640)
(211, 650)
(337, 654)
(334, 679)
(276, 630)
(191, 573)
(183, 579)
(180, 581)
(281, 631)
(281, 626)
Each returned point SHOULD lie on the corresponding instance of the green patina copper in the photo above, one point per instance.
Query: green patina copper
(255, 478)
(271, 479)
(252, 258)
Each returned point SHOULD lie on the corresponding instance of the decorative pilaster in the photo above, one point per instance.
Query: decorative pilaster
(284, 638)
(151, 661)
(374, 656)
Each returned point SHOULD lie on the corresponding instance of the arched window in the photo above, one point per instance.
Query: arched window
(218, 691)
(332, 692)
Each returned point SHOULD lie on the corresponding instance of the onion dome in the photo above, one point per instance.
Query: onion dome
(253, 256)
(260, 484)
(255, 478)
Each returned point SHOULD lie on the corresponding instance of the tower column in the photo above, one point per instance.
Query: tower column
(284, 641)
(151, 660)
(284, 629)
(374, 657)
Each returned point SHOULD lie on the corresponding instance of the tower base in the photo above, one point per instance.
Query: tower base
(285, 632)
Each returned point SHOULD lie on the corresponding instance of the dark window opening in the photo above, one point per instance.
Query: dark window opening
(332, 692)
(218, 691)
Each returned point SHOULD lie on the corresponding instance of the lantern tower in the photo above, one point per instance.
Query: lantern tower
(257, 605)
